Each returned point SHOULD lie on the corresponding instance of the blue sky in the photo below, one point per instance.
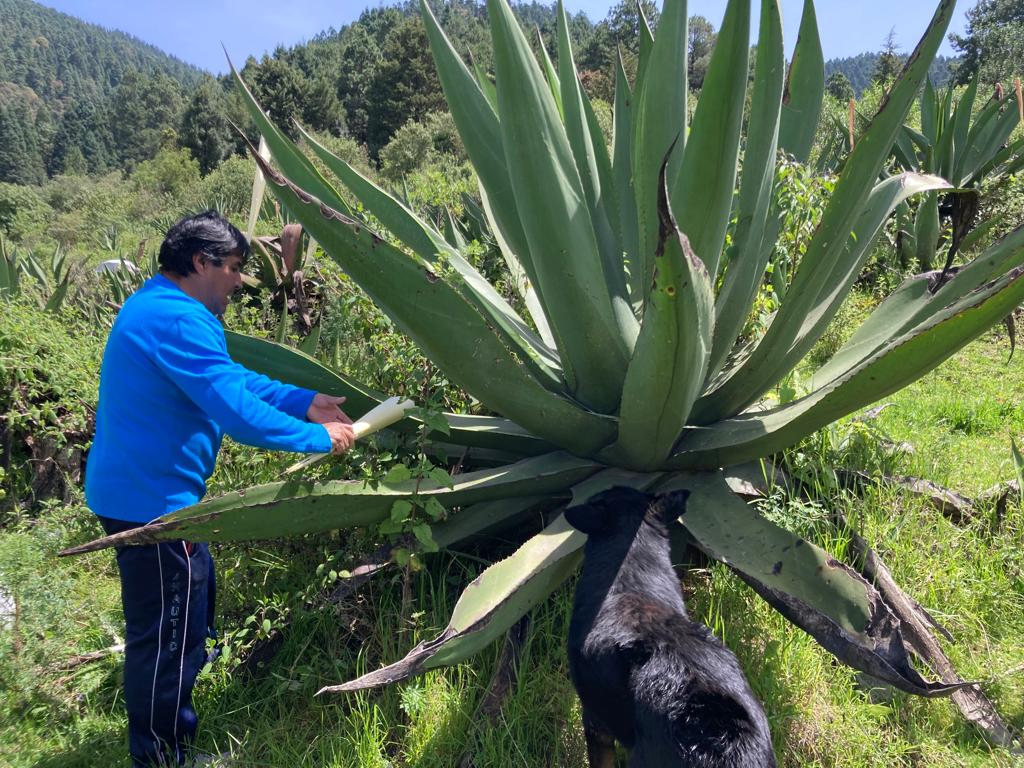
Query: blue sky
(193, 30)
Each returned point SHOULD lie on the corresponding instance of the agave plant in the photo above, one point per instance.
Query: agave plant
(965, 149)
(628, 367)
(52, 281)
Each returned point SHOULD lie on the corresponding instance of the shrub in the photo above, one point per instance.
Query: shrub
(171, 172)
(23, 210)
(48, 375)
(227, 188)
(407, 151)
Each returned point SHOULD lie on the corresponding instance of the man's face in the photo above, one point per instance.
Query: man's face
(216, 283)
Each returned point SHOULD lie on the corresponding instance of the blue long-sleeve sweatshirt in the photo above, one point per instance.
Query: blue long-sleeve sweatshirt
(168, 393)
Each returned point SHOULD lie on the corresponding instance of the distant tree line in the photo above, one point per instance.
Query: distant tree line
(862, 70)
(78, 99)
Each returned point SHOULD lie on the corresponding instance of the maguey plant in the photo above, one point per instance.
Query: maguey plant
(638, 266)
(967, 148)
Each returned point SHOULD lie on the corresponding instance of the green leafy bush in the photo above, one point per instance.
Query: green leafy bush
(23, 210)
(171, 172)
(227, 188)
(48, 373)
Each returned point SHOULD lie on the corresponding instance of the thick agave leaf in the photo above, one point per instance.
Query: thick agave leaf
(915, 301)
(431, 245)
(594, 166)
(810, 302)
(961, 128)
(927, 228)
(751, 252)
(836, 281)
(592, 341)
(502, 594)
(290, 160)
(805, 89)
(297, 506)
(444, 324)
(905, 359)
(550, 73)
(491, 604)
(671, 356)
(702, 192)
(622, 171)
(929, 112)
(477, 123)
(659, 123)
(827, 599)
(486, 516)
(797, 123)
(295, 367)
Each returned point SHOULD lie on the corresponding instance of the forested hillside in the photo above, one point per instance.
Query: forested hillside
(64, 89)
(62, 80)
(860, 69)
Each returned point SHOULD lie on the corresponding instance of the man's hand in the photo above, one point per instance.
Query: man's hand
(326, 409)
(342, 436)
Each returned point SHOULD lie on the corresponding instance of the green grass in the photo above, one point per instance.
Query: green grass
(961, 416)
(971, 578)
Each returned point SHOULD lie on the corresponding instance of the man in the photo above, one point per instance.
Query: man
(168, 393)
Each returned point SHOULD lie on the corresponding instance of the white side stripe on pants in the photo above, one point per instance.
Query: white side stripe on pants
(156, 664)
(184, 638)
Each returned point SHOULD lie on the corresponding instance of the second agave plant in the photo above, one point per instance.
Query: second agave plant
(629, 366)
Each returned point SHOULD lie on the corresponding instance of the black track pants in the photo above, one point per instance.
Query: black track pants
(168, 593)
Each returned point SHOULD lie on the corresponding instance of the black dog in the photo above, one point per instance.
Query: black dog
(648, 676)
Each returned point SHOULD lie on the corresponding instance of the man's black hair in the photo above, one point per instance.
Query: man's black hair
(208, 233)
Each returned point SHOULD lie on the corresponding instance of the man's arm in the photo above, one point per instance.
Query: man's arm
(295, 401)
(195, 357)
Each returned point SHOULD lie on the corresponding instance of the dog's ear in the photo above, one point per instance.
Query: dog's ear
(670, 506)
(589, 518)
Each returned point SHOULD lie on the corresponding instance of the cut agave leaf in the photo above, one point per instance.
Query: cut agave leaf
(296, 507)
(825, 598)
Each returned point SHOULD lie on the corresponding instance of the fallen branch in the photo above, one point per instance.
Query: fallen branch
(915, 621)
(975, 706)
(85, 658)
(957, 508)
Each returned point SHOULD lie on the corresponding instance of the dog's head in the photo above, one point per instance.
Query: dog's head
(622, 509)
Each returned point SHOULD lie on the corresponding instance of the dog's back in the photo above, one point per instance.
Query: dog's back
(660, 684)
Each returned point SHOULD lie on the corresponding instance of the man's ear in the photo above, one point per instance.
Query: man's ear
(198, 262)
(588, 518)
